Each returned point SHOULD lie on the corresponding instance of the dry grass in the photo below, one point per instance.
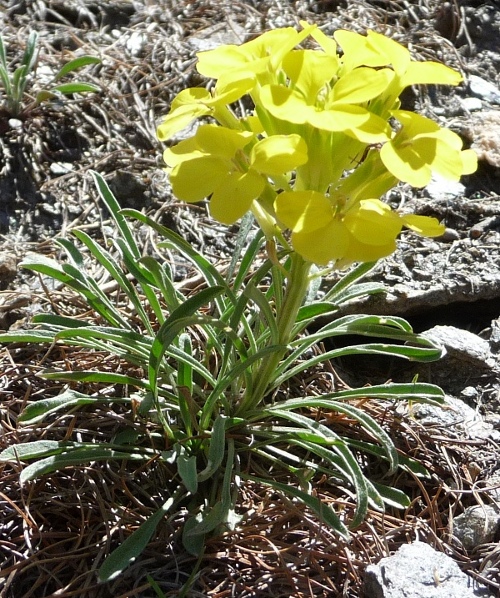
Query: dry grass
(57, 530)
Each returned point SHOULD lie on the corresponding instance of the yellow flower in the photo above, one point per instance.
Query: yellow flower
(316, 96)
(422, 147)
(231, 167)
(326, 229)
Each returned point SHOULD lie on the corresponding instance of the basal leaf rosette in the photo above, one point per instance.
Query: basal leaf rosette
(330, 229)
(232, 167)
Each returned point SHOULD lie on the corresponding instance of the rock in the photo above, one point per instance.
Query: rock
(216, 35)
(476, 525)
(454, 418)
(492, 487)
(485, 134)
(471, 104)
(463, 346)
(418, 571)
(484, 89)
(439, 188)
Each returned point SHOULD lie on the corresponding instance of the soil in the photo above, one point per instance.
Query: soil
(147, 50)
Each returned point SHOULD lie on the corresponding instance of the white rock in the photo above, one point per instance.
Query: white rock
(440, 188)
(418, 571)
(135, 43)
(471, 104)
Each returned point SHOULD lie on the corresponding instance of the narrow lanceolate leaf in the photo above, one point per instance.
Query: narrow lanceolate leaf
(76, 64)
(91, 376)
(216, 449)
(31, 450)
(27, 336)
(114, 208)
(173, 325)
(39, 410)
(77, 456)
(67, 88)
(186, 466)
(129, 550)
(412, 391)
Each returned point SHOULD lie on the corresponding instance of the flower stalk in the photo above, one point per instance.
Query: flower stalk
(296, 286)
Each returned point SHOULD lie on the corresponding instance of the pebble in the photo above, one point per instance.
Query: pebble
(440, 188)
(484, 89)
(471, 104)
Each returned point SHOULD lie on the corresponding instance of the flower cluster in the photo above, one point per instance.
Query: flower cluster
(325, 140)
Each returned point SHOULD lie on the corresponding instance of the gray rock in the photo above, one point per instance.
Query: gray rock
(454, 418)
(484, 89)
(476, 525)
(418, 571)
(463, 346)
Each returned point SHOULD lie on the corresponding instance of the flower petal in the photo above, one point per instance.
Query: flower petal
(469, 161)
(187, 149)
(214, 63)
(180, 118)
(362, 252)
(323, 245)
(423, 225)
(193, 180)
(278, 154)
(221, 141)
(427, 73)
(372, 222)
(406, 164)
(234, 196)
(303, 211)
(362, 84)
(231, 87)
(394, 53)
(309, 71)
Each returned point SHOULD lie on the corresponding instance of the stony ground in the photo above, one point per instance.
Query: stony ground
(53, 533)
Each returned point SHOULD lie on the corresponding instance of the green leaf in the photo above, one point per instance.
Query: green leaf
(27, 336)
(112, 266)
(91, 376)
(216, 449)
(186, 466)
(132, 547)
(173, 325)
(193, 543)
(31, 450)
(114, 209)
(206, 269)
(78, 455)
(69, 88)
(308, 423)
(30, 53)
(76, 64)
(392, 496)
(336, 293)
(40, 409)
(308, 313)
(211, 519)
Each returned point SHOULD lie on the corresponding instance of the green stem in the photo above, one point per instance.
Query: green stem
(296, 288)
